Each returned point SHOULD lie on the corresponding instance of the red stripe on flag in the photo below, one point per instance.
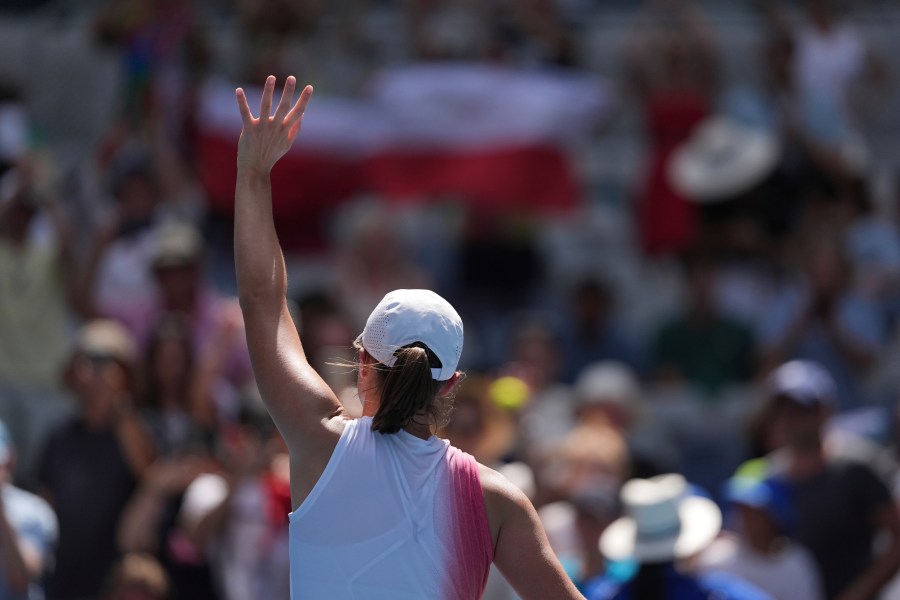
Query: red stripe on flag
(534, 177)
(306, 187)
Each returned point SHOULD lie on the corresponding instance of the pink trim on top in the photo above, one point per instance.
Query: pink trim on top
(473, 546)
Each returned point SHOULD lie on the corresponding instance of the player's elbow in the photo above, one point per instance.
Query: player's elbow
(256, 299)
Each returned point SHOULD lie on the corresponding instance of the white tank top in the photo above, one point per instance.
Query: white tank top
(393, 517)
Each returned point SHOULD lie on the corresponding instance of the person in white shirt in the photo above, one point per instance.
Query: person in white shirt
(759, 550)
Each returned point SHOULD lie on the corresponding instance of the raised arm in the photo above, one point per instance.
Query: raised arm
(303, 407)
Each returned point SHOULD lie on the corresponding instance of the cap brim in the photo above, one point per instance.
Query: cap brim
(701, 522)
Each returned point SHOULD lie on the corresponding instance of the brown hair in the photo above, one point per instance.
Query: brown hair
(171, 327)
(408, 391)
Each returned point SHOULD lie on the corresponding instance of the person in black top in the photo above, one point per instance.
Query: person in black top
(92, 463)
(841, 504)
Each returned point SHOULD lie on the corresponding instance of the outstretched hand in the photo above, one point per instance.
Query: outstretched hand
(266, 139)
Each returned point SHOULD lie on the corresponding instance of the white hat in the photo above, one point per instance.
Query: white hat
(607, 382)
(176, 244)
(663, 522)
(404, 317)
(722, 159)
(804, 381)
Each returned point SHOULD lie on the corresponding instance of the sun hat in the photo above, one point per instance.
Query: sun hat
(405, 317)
(106, 339)
(770, 495)
(805, 382)
(722, 159)
(662, 522)
(176, 244)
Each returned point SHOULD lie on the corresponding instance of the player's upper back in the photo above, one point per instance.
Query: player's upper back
(392, 516)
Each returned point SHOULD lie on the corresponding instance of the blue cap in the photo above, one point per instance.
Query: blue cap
(805, 382)
(772, 496)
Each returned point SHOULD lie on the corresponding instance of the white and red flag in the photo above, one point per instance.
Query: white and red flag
(492, 136)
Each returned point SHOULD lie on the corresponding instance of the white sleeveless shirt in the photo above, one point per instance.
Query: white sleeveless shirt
(392, 517)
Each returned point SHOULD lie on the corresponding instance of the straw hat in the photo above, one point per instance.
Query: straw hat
(662, 522)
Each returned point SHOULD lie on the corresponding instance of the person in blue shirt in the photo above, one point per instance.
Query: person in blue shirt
(663, 524)
(28, 532)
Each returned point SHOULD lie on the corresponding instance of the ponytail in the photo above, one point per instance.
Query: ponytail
(408, 391)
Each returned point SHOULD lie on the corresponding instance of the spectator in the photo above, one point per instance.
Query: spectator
(538, 36)
(176, 398)
(241, 517)
(36, 263)
(137, 577)
(823, 319)
(842, 505)
(671, 64)
(162, 54)
(700, 346)
(176, 265)
(372, 259)
(117, 273)
(149, 524)
(760, 550)
(93, 461)
(663, 524)
(179, 409)
(831, 59)
(586, 472)
(548, 415)
(594, 331)
(28, 532)
(441, 30)
(608, 393)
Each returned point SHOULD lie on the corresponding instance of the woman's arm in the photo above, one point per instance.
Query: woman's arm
(521, 549)
(304, 408)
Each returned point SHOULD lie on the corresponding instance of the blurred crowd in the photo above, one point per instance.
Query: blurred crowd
(728, 313)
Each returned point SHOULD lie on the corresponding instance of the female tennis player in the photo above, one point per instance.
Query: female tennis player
(383, 509)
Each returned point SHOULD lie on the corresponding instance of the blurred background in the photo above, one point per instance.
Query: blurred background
(640, 209)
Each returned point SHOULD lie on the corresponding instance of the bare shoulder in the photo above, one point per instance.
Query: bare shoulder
(497, 488)
(502, 499)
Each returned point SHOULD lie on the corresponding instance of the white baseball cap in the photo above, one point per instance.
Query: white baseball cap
(404, 317)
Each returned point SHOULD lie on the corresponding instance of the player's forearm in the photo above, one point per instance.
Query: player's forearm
(258, 259)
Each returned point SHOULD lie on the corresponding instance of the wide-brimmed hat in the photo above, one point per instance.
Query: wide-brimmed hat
(662, 522)
(106, 339)
(721, 160)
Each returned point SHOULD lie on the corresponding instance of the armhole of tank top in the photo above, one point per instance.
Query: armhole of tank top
(349, 428)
